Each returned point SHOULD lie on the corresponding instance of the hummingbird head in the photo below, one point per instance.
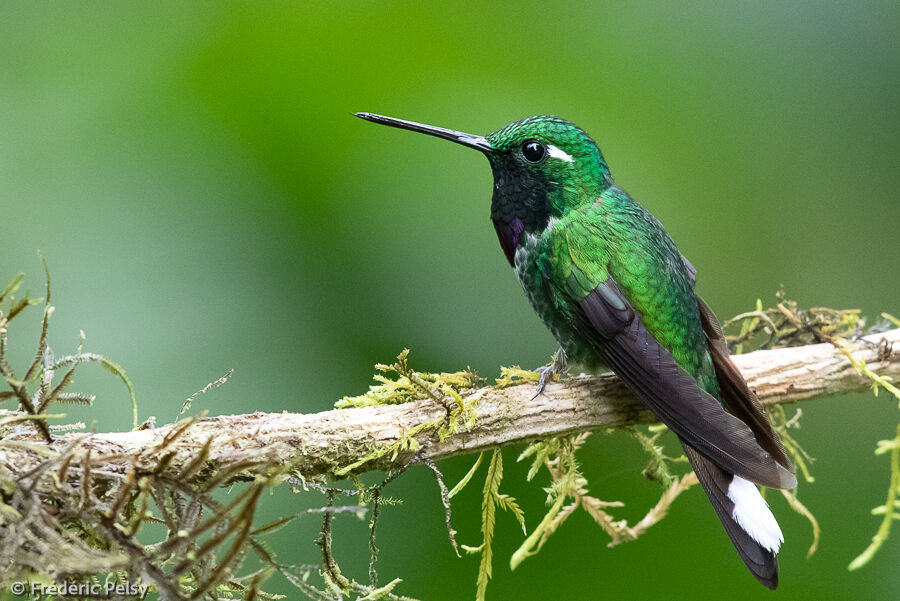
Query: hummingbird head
(543, 166)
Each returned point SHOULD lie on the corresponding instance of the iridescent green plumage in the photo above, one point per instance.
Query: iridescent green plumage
(606, 278)
(615, 237)
(590, 230)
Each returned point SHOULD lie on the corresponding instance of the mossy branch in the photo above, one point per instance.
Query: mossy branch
(241, 447)
(77, 504)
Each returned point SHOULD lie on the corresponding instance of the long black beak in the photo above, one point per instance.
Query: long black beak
(476, 142)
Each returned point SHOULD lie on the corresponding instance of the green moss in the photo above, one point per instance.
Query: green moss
(446, 389)
(397, 383)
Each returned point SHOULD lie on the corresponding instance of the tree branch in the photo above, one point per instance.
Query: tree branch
(214, 450)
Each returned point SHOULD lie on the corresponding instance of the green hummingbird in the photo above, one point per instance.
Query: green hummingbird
(610, 284)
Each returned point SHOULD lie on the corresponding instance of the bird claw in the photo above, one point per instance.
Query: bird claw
(558, 366)
(546, 372)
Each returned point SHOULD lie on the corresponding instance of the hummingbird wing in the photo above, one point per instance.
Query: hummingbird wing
(625, 290)
(605, 317)
(723, 451)
(576, 262)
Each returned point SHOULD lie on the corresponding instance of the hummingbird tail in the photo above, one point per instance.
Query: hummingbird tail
(744, 514)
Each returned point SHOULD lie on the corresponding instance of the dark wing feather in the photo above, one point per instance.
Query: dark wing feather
(736, 395)
(605, 317)
(760, 561)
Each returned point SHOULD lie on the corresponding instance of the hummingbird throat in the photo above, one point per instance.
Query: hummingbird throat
(521, 204)
(509, 234)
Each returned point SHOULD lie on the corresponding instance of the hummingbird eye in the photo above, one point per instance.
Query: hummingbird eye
(533, 151)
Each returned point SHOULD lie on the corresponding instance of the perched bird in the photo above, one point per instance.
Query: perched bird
(608, 281)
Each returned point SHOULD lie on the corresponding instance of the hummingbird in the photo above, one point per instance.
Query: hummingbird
(608, 281)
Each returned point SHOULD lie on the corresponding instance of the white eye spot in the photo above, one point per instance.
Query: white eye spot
(558, 153)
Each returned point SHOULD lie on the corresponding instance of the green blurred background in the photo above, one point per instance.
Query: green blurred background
(205, 201)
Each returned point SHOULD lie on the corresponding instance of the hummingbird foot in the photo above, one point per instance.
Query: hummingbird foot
(559, 365)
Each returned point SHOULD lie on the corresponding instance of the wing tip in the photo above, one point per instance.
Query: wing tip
(788, 479)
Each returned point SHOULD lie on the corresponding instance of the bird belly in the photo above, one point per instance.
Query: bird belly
(539, 294)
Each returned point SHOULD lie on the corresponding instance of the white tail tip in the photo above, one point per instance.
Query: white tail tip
(752, 513)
